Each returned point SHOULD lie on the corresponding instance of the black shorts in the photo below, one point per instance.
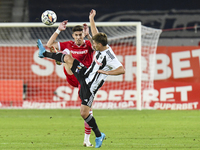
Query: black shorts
(85, 95)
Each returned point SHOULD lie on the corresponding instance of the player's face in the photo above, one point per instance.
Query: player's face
(96, 46)
(78, 37)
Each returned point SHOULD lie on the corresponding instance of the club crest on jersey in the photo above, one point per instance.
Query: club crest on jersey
(81, 64)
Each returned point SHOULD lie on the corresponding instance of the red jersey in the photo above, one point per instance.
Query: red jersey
(83, 53)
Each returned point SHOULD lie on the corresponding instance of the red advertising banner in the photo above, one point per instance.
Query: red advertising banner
(11, 90)
(176, 82)
(45, 84)
(177, 76)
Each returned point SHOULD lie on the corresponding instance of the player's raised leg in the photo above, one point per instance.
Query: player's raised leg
(56, 56)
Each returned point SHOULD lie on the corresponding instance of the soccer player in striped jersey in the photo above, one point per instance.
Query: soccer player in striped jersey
(91, 79)
(81, 50)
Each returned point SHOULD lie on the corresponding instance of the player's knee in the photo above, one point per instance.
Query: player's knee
(68, 59)
(84, 114)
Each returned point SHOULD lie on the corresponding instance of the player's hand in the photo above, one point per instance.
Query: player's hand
(62, 25)
(85, 29)
(103, 72)
(92, 14)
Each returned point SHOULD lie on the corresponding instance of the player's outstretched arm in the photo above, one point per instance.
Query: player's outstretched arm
(118, 71)
(86, 33)
(52, 39)
(94, 29)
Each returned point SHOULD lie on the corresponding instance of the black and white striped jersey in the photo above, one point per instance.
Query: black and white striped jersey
(105, 60)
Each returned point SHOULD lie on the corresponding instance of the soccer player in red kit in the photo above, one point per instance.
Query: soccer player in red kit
(81, 50)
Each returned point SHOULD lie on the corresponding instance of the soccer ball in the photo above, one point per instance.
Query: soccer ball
(49, 17)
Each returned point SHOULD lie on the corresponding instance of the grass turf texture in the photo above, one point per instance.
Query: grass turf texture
(125, 129)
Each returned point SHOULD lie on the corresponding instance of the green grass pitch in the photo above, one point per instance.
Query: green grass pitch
(125, 129)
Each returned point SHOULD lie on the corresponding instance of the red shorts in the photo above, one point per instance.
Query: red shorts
(71, 79)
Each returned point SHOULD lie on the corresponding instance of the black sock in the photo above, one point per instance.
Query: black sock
(57, 56)
(92, 123)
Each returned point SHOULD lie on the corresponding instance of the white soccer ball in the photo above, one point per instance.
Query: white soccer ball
(49, 17)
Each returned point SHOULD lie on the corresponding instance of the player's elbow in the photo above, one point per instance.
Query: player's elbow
(49, 45)
(122, 70)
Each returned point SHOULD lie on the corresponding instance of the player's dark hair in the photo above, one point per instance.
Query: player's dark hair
(77, 28)
(101, 38)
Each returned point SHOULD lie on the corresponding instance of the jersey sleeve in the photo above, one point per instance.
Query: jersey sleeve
(114, 63)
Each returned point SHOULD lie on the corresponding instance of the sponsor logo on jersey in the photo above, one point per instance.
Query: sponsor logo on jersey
(98, 63)
(79, 52)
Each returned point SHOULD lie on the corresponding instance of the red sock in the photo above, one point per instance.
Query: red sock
(87, 128)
